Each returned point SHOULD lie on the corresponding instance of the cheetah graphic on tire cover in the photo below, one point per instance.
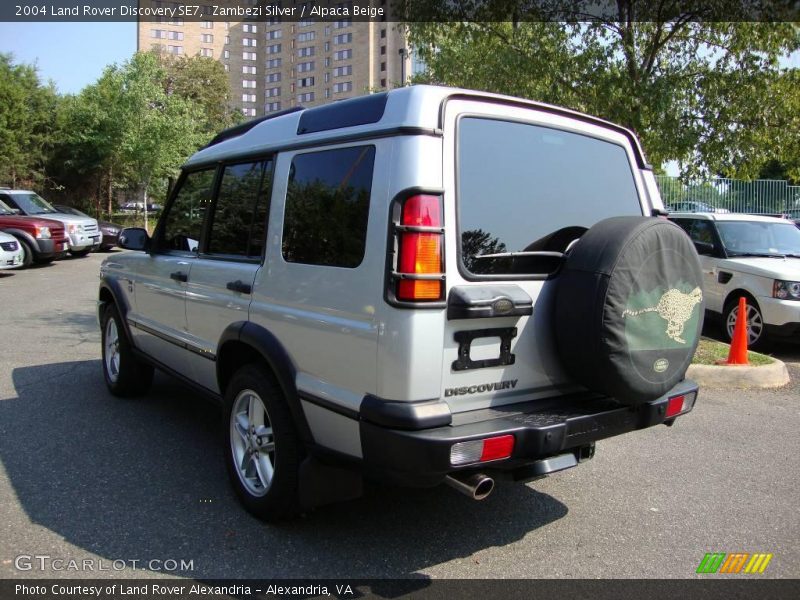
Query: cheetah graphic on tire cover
(675, 307)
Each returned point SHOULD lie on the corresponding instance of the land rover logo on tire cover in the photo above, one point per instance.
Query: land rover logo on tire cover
(661, 365)
(676, 308)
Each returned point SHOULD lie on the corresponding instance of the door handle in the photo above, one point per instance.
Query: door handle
(239, 286)
(179, 276)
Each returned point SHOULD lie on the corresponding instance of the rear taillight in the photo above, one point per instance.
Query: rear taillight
(474, 451)
(419, 268)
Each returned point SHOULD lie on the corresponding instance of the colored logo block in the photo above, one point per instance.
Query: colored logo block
(735, 562)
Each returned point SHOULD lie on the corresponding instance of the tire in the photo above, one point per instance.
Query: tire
(28, 255)
(629, 309)
(756, 332)
(263, 469)
(80, 253)
(125, 375)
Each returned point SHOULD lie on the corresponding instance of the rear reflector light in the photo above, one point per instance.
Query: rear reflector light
(420, 264)
(475, 451)
(674, 406)
(678, 405)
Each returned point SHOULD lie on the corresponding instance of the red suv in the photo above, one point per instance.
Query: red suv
(42, 240)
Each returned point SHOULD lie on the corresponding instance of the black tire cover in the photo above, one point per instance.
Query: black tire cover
(629, 308)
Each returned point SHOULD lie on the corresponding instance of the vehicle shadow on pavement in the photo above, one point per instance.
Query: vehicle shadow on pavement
(144, 479)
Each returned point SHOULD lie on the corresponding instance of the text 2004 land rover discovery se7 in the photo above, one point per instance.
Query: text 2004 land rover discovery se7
(419, 286)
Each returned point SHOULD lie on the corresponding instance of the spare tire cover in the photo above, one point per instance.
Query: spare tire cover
(629, 308)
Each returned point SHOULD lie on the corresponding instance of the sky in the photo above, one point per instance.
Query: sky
(73, 55)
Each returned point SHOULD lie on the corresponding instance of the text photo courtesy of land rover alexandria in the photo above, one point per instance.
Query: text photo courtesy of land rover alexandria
(422, 286)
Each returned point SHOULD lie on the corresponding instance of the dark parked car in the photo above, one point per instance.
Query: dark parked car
(110, 231)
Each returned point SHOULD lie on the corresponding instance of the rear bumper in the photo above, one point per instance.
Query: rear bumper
(541, 430)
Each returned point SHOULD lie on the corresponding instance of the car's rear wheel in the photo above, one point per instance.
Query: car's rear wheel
(124, 373)
(756, 333)
(263, 450)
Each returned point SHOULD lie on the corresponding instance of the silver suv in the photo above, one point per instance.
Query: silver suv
(421, 286)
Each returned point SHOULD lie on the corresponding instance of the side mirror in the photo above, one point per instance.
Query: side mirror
(134, 238)
(704, 248)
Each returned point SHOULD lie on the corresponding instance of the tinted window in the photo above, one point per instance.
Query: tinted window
(183, 220)
(327, 204)
(685, 224)
(239, 218)
(703, 231)
(526, 188)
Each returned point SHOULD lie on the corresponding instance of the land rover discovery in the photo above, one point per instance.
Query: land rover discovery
(421, 286)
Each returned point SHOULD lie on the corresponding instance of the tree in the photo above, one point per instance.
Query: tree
(127, 131)
(27, 115)
(203, 81)
(159, 130)
(693, 88)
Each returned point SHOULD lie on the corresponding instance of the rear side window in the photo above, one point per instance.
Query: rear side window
(529, 189)
(240, 210)
(327, 205)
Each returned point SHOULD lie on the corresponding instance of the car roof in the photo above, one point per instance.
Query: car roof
(415, 109)
(728, 217)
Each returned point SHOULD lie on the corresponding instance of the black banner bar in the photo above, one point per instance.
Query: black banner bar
(710, 588)
(288, 11)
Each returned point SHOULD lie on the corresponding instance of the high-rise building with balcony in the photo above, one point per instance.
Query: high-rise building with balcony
(274, 65)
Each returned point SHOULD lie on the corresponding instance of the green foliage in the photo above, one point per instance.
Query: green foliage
(137, 124)
(203, 81)
(705, 93)
(27, 115)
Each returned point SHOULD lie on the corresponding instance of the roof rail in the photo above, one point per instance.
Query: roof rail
(243, 128)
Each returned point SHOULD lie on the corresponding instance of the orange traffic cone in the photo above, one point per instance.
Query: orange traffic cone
(738, 352)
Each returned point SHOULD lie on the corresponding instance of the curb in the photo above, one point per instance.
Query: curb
(740, 376)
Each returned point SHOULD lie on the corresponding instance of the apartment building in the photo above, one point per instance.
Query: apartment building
(275, 65)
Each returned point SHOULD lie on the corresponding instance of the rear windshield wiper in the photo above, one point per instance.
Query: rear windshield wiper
(521, 254)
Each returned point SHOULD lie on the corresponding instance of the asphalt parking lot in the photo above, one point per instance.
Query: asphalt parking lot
(86, 476)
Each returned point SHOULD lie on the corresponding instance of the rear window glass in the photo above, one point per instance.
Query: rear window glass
(530, 189)
(327, 206)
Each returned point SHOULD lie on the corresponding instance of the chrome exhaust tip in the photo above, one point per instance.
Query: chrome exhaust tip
(476, 485)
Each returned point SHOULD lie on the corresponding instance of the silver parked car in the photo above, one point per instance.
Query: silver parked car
(83, 231)
(421, 286)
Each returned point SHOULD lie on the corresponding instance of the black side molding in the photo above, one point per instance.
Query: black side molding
(486, 301)
(405, 415)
